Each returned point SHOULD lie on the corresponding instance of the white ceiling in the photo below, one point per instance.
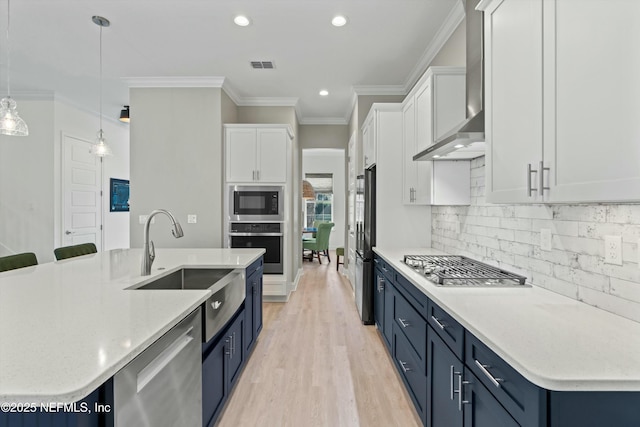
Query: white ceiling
(387, 43)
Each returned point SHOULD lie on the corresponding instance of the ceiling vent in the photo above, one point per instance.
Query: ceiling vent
(262, 65)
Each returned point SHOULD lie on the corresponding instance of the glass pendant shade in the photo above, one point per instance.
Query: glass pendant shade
(10, 121)
(100, 148)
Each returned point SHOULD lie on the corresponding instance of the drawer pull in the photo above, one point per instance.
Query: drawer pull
(460, 391)
(439, 323)
(403, 365)
(496, 381)
(403, 322)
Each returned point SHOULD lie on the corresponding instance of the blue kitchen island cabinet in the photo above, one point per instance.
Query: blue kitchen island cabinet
(222, 362)
(253, 304)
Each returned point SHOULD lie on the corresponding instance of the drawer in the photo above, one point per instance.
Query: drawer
(415, 380)
(447, 328)
(385, 267)
(413, 326)
(525, 401)
(413, 294)
(255, 266)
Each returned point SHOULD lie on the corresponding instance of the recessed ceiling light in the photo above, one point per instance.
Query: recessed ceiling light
(339, 21)
(324, 92)
(459, 146)
(241, 20)
(436, 156)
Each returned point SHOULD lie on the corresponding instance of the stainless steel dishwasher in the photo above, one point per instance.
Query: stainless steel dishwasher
(163, 385)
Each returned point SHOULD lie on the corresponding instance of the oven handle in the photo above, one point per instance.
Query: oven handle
(255, 234)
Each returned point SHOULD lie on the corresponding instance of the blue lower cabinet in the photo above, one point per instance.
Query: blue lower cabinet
(253, 304)
(409, 367)
(378, 298)
(481, 408)
(222, 363)
(444, 371)
(594, 409)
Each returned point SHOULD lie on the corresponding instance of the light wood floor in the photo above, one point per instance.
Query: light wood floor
(316, 364)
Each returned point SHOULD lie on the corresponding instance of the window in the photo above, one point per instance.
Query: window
(320, 209)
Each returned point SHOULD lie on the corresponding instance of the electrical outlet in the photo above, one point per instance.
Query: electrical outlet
(545, 239)
(613, 250)
(192, 219)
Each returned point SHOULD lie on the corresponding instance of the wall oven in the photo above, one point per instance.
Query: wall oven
(256, 203)
(260, 235)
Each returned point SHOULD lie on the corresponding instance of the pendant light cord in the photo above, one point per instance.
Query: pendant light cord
(100, 81)
(8, 52)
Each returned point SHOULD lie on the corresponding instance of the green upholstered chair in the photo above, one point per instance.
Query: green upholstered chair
(12, 262)
(321, 242)
(75, 250)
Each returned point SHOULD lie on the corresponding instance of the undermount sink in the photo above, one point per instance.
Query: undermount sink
(188, 279)
(227, 288)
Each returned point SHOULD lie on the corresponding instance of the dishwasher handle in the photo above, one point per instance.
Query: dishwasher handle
(163, 359)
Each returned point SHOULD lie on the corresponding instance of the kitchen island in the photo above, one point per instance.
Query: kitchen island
(67, 327)
(506, 356)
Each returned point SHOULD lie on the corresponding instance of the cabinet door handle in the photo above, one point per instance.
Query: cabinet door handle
(403, 322)
(438, 322)
(460, 391)
(258, 174)
(228, 351)
(530, 189)
(484, 368)
(403, 365)
(380, 284)
(542, 187)
(451, 373)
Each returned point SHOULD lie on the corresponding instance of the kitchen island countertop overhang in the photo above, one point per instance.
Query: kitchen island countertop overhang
(68, 326)
(557, 343)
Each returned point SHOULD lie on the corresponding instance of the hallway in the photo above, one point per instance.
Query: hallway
(315, 364)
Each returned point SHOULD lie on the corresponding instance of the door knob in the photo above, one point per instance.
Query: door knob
(69, 232)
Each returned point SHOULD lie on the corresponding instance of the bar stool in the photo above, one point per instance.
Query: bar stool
(74, 251)
(13, 262)
(339, 253)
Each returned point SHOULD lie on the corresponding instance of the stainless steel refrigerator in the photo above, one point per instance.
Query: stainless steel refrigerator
(366, 240)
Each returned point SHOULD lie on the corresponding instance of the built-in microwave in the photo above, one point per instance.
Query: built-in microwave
(256, 203)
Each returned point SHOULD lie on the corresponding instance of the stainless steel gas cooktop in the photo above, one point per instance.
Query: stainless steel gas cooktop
(456, 270)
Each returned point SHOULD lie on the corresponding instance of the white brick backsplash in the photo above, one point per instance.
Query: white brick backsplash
(556, 285)
(578, 245)
(533, 211)
(592, 213)
(516, 223)
(611, 303)
(625, 289)
(508, 236)
(564, 228)
(623, 214)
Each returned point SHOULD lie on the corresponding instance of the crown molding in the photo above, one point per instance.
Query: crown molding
(380, 90)
(453, 20)
(324, 121)
(267, 102)
(142, 82)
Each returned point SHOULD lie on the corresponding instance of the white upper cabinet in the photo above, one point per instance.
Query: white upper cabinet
(369, 140)
(256, 153)
(561, 105)
(424, 120)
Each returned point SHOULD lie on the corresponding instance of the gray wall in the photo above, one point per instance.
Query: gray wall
(454, 50)
(324, 136)
(176, 163)
(229, 109)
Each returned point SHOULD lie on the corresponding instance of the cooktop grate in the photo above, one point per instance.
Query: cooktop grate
(457, 270)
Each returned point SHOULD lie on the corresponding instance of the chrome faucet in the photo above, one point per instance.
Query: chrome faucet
(149, 252)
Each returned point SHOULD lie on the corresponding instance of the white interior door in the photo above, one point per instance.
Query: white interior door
(82, 193)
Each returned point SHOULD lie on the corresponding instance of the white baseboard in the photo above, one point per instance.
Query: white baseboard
(294, 285)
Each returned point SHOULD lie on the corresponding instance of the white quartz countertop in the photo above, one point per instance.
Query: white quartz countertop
(68, 326)
(554, 341)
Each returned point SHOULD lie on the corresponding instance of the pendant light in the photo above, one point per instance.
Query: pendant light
(100, 148)
(10, 121)
(307, 190)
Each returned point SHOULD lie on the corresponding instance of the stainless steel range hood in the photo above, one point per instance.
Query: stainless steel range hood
(466, 141)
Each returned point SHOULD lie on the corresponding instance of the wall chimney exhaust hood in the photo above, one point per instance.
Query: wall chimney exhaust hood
(466, 141)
